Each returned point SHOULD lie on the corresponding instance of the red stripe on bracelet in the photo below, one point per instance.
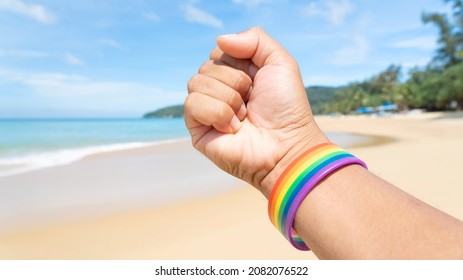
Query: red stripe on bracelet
(299, 178)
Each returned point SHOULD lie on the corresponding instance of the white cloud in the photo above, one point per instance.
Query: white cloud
(58, 94)
(353, 54)
(58, 84)
(32, 54)
(33, 11)
(335, 11)
(73, 60)
(110, 42)
(24, 54)
(151, 16)
(46, 79)
(252, 3)
(423, 43)
(194, 14)
(330, 80)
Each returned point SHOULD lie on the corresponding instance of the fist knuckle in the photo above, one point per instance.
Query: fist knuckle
(215, 53)
(188, 103)
(205, 68)
(193, 83)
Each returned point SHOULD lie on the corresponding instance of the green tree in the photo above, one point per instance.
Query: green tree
(432, 89)
(450, 35)
(369, 93)
(386, 82)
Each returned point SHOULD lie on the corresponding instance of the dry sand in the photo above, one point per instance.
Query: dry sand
(228, 223)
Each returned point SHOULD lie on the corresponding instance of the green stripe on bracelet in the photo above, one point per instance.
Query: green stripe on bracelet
(299, 178)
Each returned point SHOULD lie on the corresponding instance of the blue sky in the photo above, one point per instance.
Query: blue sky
(115, 58)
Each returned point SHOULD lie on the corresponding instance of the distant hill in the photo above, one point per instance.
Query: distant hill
(175, 111)
(319, 96)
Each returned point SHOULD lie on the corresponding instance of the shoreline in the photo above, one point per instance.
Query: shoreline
(23, 164)
(71, 155)
(216, 225)
(65, 176)
(109, 182)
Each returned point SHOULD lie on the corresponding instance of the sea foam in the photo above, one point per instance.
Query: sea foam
(15, 165)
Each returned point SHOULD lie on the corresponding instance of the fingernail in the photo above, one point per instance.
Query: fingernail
(235, 124)
(228, 35)
(241, 114)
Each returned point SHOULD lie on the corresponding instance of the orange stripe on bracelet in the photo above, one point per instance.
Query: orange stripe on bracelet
(299, 178)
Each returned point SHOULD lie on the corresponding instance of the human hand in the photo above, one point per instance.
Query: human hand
(247, 109)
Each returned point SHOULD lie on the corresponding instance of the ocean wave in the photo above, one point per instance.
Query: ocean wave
(26, 163)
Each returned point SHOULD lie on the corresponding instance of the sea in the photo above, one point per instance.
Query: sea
(31, 144)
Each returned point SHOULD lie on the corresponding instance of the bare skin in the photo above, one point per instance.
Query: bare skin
(248, 113)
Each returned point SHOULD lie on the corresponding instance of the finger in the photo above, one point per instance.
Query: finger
(206, 110)
(234, 78)
(244, 65)
(257, 45)
(218, 90)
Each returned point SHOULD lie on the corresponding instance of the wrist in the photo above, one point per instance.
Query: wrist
(303, 174)
(295, 149)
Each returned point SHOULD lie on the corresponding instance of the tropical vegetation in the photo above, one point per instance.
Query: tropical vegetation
(437, 86)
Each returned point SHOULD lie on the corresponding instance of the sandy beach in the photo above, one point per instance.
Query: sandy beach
(69, 212)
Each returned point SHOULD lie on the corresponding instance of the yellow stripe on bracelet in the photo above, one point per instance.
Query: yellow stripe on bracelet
(299, 178)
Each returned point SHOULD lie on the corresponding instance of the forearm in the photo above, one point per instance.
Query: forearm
(354, 214)
(247, 111)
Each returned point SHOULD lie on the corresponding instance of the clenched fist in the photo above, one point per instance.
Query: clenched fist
(247, 109)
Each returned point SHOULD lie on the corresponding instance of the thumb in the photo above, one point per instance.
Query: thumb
(254, 44)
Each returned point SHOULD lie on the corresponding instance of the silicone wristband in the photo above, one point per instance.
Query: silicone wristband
(299, 178)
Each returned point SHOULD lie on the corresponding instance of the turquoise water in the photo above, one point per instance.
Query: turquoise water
(27, 145)
(28, 136)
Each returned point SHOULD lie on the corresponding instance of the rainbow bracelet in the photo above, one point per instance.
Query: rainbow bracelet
(301, 176)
